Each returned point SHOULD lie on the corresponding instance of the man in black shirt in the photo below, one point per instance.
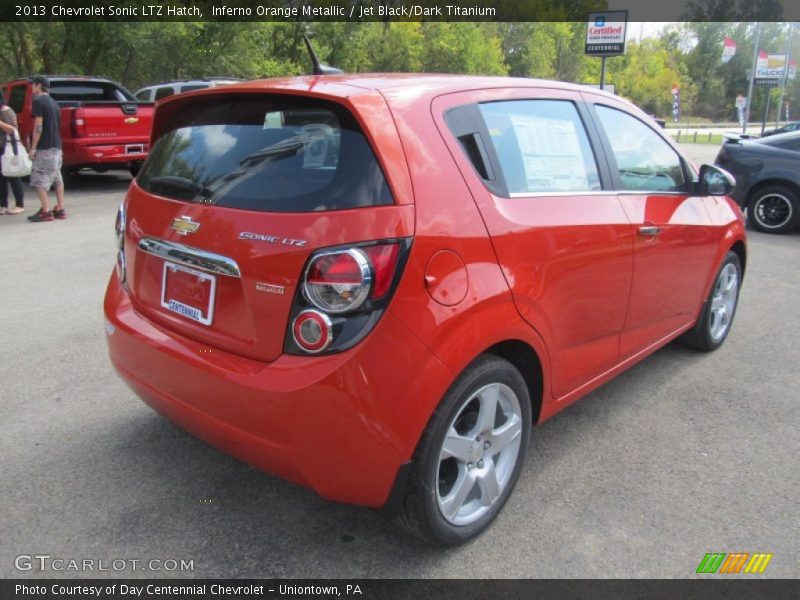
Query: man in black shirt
(46, 151)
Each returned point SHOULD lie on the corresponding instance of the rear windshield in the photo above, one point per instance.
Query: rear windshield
(265, 154)
(88, 91)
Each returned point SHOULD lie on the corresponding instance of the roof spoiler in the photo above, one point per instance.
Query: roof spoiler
(731, 137)
(319, 68)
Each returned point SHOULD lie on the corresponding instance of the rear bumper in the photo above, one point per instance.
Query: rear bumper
(342, 424)
(120, 154)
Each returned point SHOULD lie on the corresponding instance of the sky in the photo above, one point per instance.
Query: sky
(638, 30)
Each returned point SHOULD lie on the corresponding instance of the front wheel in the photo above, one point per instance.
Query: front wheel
(470, 455)
(719, 309)
(774, 209)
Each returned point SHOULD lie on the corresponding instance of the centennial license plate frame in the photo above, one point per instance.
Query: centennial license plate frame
(188, 292)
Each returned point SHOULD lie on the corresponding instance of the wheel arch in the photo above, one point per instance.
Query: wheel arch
(776, 181)
(740, 250)
(527, 362)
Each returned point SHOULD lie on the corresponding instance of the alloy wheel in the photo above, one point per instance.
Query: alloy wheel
(723, 302)
(478, 454)
(773, 211)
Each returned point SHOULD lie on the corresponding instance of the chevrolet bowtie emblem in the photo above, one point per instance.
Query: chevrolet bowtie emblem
(185, 225)
(131, 120)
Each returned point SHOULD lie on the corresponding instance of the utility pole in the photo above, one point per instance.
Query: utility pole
(602, 72)
(785, 73)
(752, 77)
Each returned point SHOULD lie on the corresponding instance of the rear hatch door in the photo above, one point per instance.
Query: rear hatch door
(237, 193)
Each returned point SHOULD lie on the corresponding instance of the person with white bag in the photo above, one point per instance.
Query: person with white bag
(8, 129)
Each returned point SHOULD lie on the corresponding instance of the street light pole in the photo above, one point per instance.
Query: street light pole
(752, 77)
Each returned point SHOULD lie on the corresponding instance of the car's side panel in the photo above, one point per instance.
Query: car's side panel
(670, 268)
(670, 264)
(448, 220)
(566, 258)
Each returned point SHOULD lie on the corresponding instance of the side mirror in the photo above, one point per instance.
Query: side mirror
(715, 181)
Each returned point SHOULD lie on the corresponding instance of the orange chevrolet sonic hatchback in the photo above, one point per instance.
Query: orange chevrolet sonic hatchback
(375, 286)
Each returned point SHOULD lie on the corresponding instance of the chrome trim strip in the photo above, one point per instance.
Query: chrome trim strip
(595, 193)
(190, 257)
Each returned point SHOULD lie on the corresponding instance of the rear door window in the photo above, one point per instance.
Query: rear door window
(267, 154)
(164, 92)
(88, 91)
(193, 87)
(16, 99)
(645, 162)
(542, 146)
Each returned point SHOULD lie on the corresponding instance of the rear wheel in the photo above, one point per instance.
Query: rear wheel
(68, 175)
(774, 209)
(717, 317)
(470, 455)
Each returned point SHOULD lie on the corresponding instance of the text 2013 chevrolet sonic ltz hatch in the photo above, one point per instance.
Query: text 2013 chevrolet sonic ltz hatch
(375, 286)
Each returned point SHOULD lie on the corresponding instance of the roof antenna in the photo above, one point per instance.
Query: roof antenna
(319, 68)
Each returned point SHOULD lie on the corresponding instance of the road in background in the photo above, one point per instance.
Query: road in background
(700, 153)
(687, 453)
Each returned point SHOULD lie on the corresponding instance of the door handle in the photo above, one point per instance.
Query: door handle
(648, 230)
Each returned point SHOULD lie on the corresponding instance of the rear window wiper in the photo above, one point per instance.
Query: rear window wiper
(183, 184)
(288, 146)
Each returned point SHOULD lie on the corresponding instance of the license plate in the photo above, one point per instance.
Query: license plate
(188, 292)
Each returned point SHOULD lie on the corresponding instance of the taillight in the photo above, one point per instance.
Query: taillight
(312, 331)
(78, 123)
(384, 262)
(119, 230)
(343, 294)
(338, 281)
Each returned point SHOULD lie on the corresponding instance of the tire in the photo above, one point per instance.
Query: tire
(719, 309)
(774, 209)
(134, 169)
(437, 482)
(68, 176)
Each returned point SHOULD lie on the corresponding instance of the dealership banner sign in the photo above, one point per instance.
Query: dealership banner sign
(769, 68)
(728, 49)
(605, 33)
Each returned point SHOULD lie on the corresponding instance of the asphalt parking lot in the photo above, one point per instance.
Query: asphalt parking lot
(684, 454)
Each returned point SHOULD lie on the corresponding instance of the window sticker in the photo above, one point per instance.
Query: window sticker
(551, 153)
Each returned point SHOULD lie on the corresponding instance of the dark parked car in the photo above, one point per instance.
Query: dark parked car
(792, 126)
(767, 175)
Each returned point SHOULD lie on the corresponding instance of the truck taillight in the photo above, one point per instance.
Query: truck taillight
(78, 123)
(342, 295)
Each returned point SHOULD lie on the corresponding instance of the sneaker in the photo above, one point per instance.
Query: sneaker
(60, 214)
(40, 215)
(15, 211)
